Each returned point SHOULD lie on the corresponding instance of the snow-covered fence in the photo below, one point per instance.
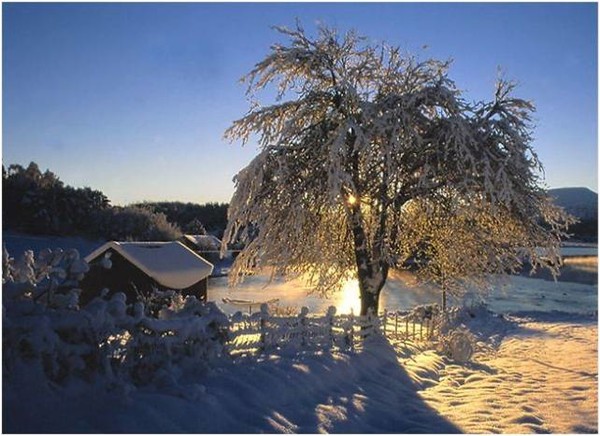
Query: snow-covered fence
(261, 331)
(422, 323)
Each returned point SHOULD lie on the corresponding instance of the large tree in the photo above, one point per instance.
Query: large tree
(371, 159)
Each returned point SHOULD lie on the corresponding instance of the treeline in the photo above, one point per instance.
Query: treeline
(192, 218)
(37, 202)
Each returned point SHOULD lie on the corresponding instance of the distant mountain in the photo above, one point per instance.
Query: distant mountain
(580, 202)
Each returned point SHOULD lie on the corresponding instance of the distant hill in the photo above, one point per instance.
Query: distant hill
(580, 202)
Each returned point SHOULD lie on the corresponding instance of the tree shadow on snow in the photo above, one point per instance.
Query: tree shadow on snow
(363, 392)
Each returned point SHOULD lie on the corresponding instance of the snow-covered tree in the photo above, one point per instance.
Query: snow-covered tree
(370, 159)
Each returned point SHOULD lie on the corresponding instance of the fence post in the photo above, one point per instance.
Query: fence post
(385, 317)
(330, 318)
(431, 325)
(349, 333)
(302, 319)
(369, 323)
(264, 315)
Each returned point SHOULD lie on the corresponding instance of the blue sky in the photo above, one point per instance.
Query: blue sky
(133, 99)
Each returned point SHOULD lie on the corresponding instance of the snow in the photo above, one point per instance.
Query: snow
(533, 369)
(17, 243)
(171, 264)
(317, 393)
(205, 242)
(514, 293)
(542, 377)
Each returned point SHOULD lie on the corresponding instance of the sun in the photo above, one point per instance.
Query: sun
(348, 298)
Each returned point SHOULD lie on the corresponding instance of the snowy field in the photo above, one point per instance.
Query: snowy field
(537, 374)
(535, 371)
(543, 378)
(16, 243)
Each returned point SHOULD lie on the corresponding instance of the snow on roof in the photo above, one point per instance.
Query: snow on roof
(204, 242)
(171, 264)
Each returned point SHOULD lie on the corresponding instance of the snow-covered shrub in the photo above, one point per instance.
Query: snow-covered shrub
(52, 277)
(45, 329)
(466, 329)
(41, 323)
(458, 344)
(181, 342)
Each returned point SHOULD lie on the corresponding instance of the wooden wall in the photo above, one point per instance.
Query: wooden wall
(125, 277)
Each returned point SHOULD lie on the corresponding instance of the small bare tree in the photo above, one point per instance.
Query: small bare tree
(370, 159)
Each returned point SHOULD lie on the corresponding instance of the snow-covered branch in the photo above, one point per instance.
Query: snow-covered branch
(376, 158)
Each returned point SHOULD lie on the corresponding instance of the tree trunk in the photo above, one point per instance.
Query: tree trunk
(371, 270)
(369, 300)
(372, 273)
(370, 290)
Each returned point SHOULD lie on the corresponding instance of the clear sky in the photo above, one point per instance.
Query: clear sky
(133, 99)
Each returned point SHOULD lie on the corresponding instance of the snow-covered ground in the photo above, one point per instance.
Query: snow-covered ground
(368, 392)
(536, 370)
(16, 243)
(542, 379)
(537, 374)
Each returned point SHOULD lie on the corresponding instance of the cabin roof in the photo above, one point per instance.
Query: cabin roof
(205, 242)
(171, 264)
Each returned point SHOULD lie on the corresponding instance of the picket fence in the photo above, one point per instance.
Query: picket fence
(262, 331)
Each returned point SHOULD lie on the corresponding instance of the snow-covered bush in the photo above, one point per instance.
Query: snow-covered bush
(463, 330)
(186, 338)
(53, 277)
(46, 331)
(458, 344)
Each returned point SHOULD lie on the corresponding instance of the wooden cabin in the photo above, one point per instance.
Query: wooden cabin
(139, 267)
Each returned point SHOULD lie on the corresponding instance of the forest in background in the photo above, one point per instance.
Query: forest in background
(39, 203)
